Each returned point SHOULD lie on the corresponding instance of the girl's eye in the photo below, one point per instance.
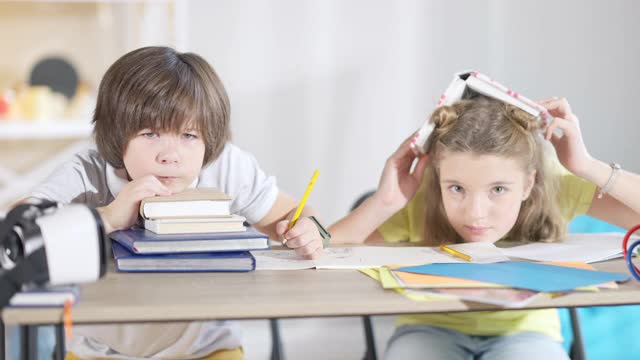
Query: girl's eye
(499, 189)
(149, 134)
(456, 188)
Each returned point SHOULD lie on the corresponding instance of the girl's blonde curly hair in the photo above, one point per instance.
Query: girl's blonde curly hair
(484, 126)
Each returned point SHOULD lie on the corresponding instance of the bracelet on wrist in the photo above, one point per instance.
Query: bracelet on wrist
(615, 170)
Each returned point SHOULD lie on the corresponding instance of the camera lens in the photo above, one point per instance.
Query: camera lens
(11, 250)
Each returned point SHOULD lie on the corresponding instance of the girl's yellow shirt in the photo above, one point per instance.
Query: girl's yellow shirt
(574, 198)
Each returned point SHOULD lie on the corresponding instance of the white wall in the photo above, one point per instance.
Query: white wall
(337, 85)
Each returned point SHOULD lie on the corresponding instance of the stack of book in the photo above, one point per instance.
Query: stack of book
(190, 231)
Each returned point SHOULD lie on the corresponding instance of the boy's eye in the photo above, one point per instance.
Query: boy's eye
(189, 136)
(149, 134)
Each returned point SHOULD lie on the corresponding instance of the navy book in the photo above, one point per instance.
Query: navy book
(141, 241)
(126, 261)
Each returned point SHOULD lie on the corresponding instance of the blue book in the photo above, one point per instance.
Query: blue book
(126, 261)
(141, 241)
(523, 275)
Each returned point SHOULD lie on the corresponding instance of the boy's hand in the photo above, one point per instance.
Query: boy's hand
(123, 211)
(303, 237)
(397, 184)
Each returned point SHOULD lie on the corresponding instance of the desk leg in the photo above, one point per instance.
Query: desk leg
(577, 346)
(23, 336)
(277, 352)
(59, 351)
(34, 335)
(29, 342)
(369, 338)
(3, 347)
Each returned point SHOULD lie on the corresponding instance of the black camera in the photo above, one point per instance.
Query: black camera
(44, 244)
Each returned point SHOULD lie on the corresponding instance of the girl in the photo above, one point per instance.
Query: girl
(488, 175)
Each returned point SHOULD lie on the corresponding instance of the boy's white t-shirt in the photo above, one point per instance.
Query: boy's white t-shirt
(88, 179)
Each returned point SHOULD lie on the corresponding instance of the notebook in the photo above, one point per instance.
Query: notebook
(192, 202)
(359, 257)
(126, 261)
(141, 241)
(468, 84)
(45, 296)
(232, 223)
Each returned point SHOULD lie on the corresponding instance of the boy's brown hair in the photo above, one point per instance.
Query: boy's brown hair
(164, 90)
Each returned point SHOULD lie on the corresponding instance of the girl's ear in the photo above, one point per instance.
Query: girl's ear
(528, 186)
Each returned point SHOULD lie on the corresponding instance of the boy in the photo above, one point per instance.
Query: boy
(161, 125)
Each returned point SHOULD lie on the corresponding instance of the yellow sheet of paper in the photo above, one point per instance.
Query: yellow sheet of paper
(374, 273)
(387, 279)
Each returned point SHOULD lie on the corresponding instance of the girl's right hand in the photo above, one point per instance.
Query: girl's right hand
(122, 213)
(397, 184)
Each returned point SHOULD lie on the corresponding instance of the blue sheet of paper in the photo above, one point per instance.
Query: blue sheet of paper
(523, 275)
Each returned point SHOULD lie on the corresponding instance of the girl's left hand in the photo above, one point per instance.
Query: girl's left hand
(303, 237)
(570, 147)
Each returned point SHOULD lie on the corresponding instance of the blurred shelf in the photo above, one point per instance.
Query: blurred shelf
(53, 129)
(87, 1)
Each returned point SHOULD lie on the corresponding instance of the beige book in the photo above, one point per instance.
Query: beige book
(190, 203)
(196, 225)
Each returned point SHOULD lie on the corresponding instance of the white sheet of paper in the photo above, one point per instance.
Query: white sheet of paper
(280, 260)
(359, 257)
(377, 256)
(589, 248)
(481, 252)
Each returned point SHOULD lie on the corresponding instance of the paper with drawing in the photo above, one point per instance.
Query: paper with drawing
(375, 256)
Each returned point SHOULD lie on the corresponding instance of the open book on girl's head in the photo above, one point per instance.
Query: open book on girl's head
(469, 84)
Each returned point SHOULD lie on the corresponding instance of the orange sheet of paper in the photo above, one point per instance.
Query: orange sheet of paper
(412, 280)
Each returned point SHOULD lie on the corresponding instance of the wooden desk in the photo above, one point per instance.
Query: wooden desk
(144, 297)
